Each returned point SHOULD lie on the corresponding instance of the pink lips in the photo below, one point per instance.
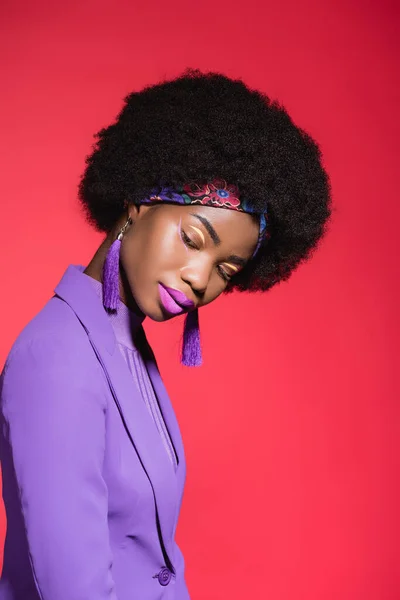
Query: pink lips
(174, 301)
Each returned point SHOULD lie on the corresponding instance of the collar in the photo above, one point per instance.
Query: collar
(76, 289)
(124, 321)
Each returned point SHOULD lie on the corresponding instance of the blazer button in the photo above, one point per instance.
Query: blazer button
(164, 576)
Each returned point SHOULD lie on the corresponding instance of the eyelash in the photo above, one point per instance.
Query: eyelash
(223, 274)
(190, 244)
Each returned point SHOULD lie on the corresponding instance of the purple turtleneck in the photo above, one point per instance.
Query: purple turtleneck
(125, 324)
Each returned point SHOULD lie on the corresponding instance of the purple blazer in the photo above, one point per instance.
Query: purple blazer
(91, 496)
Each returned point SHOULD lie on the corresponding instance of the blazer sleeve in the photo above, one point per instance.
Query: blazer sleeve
(54, 409)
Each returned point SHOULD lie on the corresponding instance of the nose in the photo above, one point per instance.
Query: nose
(197, 274)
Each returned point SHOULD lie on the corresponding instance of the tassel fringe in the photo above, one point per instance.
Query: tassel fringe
(191, 348)
(111, 277)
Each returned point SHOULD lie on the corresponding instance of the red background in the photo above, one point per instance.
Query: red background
(291, 428)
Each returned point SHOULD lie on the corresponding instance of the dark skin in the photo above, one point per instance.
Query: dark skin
(192, 248)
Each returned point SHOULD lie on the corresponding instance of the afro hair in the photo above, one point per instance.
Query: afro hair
(201, 126)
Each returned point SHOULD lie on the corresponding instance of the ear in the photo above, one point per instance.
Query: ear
(137, 211)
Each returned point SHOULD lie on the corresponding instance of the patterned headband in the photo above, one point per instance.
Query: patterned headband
(216, 193)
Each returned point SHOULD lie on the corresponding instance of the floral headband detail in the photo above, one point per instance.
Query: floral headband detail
(216, 193)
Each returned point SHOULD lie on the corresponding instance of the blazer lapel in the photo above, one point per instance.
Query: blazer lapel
(81, 297)
(168, 414)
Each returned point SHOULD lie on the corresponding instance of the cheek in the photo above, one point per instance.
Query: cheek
(150, 251)
(164, 247)
(214, 290)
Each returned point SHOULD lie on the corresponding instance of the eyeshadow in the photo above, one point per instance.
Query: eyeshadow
(201, 234)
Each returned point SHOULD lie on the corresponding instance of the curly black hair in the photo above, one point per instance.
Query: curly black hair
(200, 126)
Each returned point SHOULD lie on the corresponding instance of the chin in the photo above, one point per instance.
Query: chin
(155, 313)
(157, 317)
(153, 309)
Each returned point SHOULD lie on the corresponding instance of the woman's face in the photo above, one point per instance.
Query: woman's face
(177, 258)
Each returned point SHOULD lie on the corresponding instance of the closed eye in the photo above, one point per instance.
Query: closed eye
(221, 271)
(192, 244)
(227, 275)
(188, 241)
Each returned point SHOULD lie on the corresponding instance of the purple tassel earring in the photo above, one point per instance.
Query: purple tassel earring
(191, 348)
(111, 271)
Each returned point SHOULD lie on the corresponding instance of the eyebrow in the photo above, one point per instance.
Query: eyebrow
(212, 233)
(233, 258)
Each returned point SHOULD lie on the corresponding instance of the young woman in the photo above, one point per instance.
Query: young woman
(202, 186)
